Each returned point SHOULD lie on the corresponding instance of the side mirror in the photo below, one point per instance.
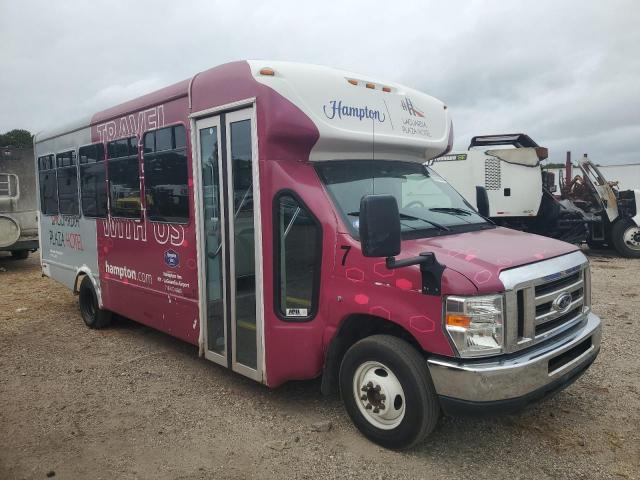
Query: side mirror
(379, 226)
(482, 201)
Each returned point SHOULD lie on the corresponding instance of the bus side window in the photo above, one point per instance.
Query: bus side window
(124, 178)
(166, 175)
(48, 185)
(93, 184)
(298, 252)
(67, 173)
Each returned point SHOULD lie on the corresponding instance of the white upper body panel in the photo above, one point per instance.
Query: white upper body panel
(359, 122)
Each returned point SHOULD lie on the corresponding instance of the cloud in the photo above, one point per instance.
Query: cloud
(563, 72)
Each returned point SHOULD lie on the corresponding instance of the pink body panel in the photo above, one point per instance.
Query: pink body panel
(293, 350)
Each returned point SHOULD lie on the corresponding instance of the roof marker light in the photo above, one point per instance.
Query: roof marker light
(386, 89)
(371, 85)
(352, 81)
(267, 71)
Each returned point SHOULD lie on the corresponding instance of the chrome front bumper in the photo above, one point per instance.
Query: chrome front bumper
(500, 383)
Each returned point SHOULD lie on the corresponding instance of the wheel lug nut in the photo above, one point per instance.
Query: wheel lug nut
(369, 385)
(363, 398)
(368, 407)
(383, 397)
(377, 389)
(376, 410)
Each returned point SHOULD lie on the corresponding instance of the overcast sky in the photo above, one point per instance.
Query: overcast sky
(565, 72)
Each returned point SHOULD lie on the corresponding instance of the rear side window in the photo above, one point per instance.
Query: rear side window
(298, 252)
(67, 183)
(93, 184)
(124, 178)
(8, 185)
(48, 185)
(166, 175)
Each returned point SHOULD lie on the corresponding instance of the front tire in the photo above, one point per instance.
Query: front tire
(20, 254)
(388, 392)
(625, 236)
(92, 314)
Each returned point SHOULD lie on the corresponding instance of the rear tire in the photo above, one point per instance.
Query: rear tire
(92, 314)
(20, 254)
(625, 236)
(388, 392)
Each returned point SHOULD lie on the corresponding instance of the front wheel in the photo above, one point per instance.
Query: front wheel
(20, 254)
(388, 392)
(625, 236)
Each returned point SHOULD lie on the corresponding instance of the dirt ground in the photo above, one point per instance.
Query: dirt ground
(129, 402)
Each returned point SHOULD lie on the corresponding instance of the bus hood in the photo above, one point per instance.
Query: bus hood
(482, 255)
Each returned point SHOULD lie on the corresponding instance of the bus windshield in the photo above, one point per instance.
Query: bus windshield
(428, 204)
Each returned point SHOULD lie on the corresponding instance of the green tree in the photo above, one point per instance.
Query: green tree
(16, 138)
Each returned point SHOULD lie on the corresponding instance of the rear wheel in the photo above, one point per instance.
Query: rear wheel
(92, 314)
(625, 236)
(20, 254)
(387, 391)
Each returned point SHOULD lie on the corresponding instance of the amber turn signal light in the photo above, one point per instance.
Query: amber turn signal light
(458, 321)
(267, 71)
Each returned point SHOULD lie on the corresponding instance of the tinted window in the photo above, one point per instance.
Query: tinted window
(166, 175)
(48, 185)
(93, 185)
(124, 178)
(298, 252)
(66, 159)
(48, 192)
(68, 190)
(91, 153)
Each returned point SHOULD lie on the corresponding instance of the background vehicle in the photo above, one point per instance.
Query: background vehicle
(502, 174)
(303, 236)
(18, 210)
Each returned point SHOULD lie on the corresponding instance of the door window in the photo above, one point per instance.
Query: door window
(212, 233)
(297, 254)
(244, 246)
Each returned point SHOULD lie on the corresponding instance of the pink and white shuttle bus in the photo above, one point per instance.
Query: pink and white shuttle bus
(279, 217)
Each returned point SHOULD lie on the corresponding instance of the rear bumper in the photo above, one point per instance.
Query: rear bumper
(31, 245)
(509, 383)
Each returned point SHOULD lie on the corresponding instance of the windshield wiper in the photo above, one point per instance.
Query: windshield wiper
(406, 216)
(452, 210)
(460, 211)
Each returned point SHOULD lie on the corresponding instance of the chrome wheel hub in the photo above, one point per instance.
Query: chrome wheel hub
(379, 395)
(631, 237)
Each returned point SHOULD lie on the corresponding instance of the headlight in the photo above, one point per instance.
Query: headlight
(475, 324)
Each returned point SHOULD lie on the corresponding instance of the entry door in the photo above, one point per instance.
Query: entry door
(229, 241)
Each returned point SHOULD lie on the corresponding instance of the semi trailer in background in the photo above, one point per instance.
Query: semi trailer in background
(502, 177)
(18, 208)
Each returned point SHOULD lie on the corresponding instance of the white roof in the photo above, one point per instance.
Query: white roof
(356, 122)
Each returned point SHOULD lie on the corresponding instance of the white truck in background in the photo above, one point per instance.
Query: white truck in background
(501, 176)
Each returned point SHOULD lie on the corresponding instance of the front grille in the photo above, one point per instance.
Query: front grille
(555, 285)
(531, 315)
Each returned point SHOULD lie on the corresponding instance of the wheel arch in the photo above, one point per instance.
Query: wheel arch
(82, 272)
(353, 328)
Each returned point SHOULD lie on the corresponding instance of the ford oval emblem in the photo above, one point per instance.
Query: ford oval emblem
(562, 302)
